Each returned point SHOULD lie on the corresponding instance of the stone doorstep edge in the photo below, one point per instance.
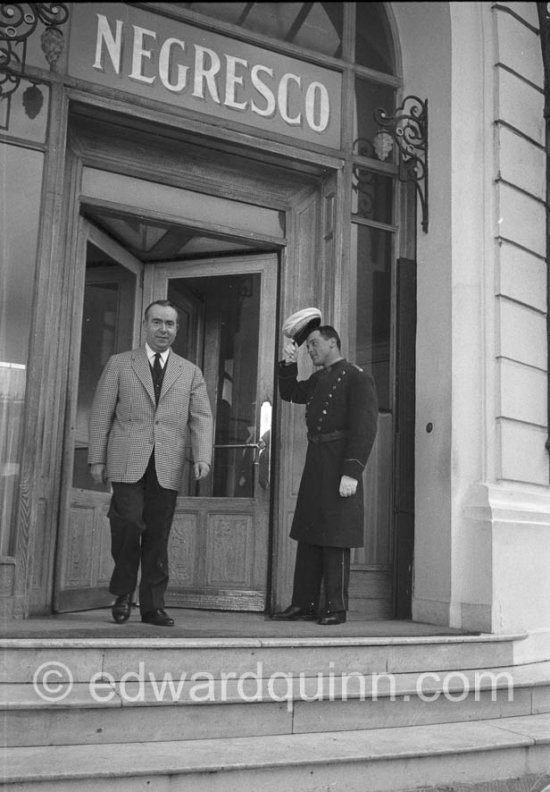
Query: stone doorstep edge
(324, 748)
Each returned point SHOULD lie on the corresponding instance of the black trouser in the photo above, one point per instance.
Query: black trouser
(141, 516)
(316, 564)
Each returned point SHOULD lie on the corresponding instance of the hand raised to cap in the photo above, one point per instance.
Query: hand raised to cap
(290, 351)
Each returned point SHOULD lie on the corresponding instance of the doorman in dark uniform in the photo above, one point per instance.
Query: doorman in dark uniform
(341, 418)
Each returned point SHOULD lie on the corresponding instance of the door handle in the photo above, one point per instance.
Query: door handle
(264, 457)
(237, 445)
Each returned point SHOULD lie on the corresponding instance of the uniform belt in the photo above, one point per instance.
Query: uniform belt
(328, 437)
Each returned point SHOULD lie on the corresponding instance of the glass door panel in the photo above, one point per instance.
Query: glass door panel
(107, 328)
(231, 369)
(219, 545)
(111, 315)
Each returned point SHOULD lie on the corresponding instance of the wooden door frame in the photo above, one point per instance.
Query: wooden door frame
(85, 232)
(258, 505)
(308, 215)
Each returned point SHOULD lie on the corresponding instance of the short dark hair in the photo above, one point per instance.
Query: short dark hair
(327, 331)
(164, 304)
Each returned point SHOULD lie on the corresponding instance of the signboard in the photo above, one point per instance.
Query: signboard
(148, 55)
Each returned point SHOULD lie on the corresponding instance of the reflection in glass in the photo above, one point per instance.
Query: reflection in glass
(237, 382)
(373, 42)
(107, 328)
(372, 256)
(314, 26)
(19, 238)
(372, 195)
(264, 459)
(24, 113)
(368, 97)
(219, 331)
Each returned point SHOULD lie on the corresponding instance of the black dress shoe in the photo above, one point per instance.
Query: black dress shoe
(122, 608)
(337, 617)
(295, 613)
(158, 617)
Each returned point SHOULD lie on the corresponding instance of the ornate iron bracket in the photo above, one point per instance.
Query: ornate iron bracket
(408, 128)
(18, 21)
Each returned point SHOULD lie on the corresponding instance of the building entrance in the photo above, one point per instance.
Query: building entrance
(236, 245)
(219, 542)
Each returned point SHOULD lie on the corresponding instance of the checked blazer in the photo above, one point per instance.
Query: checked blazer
(126, 424)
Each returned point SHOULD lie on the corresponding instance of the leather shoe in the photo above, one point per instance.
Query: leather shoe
(122, 608)
(158, 617)
(295, 613)
(329, 619)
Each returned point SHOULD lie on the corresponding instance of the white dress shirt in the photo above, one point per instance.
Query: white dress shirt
(151, 355)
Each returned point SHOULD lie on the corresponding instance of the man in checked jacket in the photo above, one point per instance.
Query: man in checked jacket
(146, 403)
(341, 418)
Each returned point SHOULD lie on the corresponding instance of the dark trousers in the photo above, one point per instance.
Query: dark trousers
(141, 516)
(316, 565)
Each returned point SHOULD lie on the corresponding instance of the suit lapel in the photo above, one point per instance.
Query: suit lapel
(140, 364)
(174, 367)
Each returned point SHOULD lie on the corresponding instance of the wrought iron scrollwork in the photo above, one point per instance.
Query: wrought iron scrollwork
(408, 128)
(18, 21)
(363, 184)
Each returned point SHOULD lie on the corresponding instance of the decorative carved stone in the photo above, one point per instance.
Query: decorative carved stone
(52, 42)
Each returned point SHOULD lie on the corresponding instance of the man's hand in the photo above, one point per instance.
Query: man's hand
(290, 351)
(348, 486)
(201, 470)
(97, 472)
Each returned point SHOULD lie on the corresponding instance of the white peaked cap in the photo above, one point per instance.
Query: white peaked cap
(300, 324)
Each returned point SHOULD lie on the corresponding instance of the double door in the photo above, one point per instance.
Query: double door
(219, 544)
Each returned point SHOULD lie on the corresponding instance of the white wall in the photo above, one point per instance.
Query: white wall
(520, 497)
(424, 33)
(482, 542)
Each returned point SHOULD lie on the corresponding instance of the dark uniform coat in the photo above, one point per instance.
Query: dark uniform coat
(341, 418)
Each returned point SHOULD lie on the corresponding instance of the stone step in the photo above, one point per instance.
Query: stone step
(380, 760)
(83, 658)
(157, 709)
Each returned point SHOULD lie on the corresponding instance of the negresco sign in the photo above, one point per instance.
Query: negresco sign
(142, 53)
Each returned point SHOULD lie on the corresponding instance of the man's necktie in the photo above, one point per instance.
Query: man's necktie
(157, 368)
(157, 376)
